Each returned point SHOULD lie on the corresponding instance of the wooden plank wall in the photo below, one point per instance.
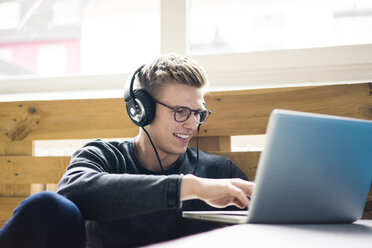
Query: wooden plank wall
(233, 113)
(242, 112)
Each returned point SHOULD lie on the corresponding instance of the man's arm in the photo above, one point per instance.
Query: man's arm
(218, 193)
(99, 181)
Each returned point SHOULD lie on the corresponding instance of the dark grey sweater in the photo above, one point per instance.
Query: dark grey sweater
(125, 204)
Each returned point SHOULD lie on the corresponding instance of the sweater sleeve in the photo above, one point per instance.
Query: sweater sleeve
(95, 184)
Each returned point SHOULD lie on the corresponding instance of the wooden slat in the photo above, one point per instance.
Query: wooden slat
(213, 143)
(14, 190)
(233, 112)
(247, 112)
(7, 205)
(28, 169)
(16, 148)
(24, 148)
(64, 119)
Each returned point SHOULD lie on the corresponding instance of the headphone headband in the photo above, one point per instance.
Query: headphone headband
(128, 91)
(140, 105)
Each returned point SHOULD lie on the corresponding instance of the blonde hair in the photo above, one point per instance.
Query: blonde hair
(170, 68)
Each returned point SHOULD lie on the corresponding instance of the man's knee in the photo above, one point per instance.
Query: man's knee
(45, 219)
(50, 207)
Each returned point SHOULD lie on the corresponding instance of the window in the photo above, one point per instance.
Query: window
(240, 43)
(77, 37)
(263, 25)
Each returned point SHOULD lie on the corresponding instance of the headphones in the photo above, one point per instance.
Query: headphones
(141, 106)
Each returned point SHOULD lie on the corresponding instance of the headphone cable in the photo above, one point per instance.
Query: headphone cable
(197, 150)
(157, 155)
(156, 152)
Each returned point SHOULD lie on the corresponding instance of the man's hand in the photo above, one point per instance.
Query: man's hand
(218, 193)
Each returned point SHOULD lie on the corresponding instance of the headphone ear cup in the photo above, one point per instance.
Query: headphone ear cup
(141, 108)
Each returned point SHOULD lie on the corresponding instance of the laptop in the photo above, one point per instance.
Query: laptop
(314, 169)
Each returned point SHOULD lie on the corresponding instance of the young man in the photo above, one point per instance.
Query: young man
(133, 193)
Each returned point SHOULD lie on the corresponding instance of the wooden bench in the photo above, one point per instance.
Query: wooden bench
(243, 112)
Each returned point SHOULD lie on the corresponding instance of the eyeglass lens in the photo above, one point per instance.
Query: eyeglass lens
(182, 114)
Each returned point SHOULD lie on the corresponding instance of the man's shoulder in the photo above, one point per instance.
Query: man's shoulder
(208, 159)
(105, 155)
(212, 157)
(107, 145)
(215, 166)
(104, 147)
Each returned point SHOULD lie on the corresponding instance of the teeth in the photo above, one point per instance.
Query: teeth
(182, 136)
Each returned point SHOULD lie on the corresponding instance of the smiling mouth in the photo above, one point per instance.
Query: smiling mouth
(182, 136)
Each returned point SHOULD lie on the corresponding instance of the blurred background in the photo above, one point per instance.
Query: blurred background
(241, 43)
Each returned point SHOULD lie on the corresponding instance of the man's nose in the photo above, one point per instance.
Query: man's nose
(192, 122)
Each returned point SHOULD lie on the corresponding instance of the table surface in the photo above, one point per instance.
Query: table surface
(357, 234)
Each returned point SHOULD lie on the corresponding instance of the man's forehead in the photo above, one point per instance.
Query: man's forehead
(182, 95)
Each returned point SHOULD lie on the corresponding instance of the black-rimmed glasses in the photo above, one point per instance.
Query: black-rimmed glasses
(182, 114)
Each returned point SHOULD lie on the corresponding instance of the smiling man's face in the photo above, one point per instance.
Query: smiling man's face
(169, 136)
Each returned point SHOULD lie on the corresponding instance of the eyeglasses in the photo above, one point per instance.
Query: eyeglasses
(182, 114)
